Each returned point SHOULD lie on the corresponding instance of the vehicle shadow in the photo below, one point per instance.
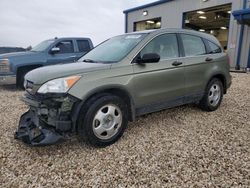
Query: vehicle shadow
(9, 88)
(73, 144)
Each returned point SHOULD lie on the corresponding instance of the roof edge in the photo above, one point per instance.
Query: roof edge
(146, 6)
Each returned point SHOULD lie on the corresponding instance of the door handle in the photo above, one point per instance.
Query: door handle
(177, 63)
(209, 59)
(73, 56)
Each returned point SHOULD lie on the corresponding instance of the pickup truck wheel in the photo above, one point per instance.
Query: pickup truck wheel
(104, 121)
(20, 78)
(213, 96)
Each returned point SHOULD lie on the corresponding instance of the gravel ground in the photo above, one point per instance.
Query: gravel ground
(180, 147)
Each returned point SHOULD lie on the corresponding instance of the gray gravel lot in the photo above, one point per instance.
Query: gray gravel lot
(180, 147)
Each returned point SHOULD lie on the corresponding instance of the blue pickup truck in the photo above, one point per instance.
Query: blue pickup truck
(14, 66)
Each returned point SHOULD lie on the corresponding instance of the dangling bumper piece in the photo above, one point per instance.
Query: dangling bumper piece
(47, 122)
(32, 131)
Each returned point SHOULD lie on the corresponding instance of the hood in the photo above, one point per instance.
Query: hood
(44, 74)
(15, 54)
(23, 58)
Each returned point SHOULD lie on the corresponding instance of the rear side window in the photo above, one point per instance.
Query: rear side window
(65, 47)
(165, 45)
(213, 48)
(193, 45)
(83, 45)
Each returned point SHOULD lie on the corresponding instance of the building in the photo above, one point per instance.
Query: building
(228, 20)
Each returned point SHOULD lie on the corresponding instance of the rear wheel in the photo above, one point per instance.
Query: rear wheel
(213, 95)
(103, 120)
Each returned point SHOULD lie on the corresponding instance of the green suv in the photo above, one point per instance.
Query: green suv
(122, 78)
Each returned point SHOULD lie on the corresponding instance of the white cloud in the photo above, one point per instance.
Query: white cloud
(28, 22)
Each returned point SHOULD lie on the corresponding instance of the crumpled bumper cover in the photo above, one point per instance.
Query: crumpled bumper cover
(31, 131)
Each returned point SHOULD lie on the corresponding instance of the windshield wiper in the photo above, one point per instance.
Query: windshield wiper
(93, 61)
(89, 61)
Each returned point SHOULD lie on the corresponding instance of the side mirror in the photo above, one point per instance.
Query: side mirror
(54, 50)
(149, 58)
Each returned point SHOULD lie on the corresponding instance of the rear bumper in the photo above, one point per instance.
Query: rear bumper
(48, 121)
(7, 79)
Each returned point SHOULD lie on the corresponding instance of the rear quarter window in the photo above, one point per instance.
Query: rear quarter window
(213, 48)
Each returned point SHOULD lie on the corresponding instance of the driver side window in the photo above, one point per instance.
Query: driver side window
(165, 45)
(65, 47)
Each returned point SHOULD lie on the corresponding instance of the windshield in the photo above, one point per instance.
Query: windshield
(114, 49)
(42, 46)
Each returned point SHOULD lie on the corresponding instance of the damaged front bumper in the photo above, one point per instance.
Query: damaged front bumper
(48, 121)
(31, 131)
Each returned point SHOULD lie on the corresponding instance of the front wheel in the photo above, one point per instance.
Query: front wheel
(213, 96)
(103, 120)
(20, 78)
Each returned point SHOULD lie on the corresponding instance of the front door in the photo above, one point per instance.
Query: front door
(162, 84)
(66, 53)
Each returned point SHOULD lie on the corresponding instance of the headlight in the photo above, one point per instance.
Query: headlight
(60, 85)
(4, 65)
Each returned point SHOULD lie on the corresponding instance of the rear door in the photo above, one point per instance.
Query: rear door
(197, 62)
(65, 55)
(156, 84)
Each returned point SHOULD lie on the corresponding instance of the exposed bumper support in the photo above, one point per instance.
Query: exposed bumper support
(31, 131)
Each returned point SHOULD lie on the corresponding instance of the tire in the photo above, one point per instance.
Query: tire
(213, 96)
(20, 78)
(102, 120)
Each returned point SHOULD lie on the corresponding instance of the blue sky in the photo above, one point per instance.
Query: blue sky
(28, 22)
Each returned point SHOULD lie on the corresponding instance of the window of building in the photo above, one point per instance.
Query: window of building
(83, 45)
(193, 45)
(212, 20)
(164, 45)
(148, 24)
(65, 47)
